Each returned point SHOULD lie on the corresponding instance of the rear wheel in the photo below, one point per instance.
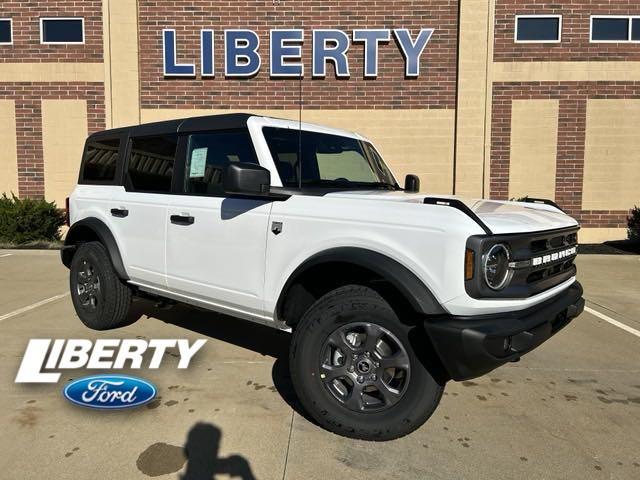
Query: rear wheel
(355, 371)
(100, 298)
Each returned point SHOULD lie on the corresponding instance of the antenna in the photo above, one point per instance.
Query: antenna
(300, 124)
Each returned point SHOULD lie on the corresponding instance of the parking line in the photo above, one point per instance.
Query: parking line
(6, 255)
(32, 306)
(610, 320)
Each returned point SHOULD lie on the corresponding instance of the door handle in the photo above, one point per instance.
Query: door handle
(182, 219)
(119, 212)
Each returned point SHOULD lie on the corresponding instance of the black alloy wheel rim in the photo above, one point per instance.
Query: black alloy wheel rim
(365, 367)
(88, 286)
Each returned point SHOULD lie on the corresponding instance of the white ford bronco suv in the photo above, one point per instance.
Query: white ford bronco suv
(389, 292)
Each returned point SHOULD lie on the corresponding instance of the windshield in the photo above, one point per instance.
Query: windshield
(327, 160)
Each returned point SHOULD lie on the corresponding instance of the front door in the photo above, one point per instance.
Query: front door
(216, 245)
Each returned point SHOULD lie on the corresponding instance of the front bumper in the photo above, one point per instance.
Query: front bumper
(472, 346)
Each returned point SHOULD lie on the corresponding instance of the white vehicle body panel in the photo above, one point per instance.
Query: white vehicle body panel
(221, 257)
(230, 261)
(142, 234)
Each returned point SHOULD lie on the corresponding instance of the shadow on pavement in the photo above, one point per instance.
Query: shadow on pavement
(201, 454)
(252, 336)
(202, 449)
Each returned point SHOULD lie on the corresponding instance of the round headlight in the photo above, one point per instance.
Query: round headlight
(496, 267)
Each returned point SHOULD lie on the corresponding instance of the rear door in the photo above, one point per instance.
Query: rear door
(139, 208)
(215, 244)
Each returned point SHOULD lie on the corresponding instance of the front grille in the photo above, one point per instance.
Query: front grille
(547, 247)
(540, 261)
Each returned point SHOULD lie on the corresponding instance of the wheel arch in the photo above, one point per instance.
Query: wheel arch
(356, 261)
(88, 230)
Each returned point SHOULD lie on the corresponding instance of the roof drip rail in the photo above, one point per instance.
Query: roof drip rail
(458, 205)
(544, 201)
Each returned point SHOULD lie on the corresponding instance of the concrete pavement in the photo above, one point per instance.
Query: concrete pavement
(570, 409)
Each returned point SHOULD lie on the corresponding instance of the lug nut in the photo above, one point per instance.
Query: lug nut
(360, 379)
(351, 368)
(367, 354)
(374, 377)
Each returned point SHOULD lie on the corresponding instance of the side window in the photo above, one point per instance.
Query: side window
(151, 162)
(207, 156)
(100, 160)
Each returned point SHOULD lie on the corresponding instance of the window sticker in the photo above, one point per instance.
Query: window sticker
(198, 162)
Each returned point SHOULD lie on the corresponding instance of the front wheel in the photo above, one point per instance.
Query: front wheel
(355, 371)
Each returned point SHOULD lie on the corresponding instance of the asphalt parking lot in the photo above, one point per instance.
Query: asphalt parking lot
(570, 409)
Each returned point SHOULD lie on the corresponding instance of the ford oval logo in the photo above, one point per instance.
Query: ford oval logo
(109, 391)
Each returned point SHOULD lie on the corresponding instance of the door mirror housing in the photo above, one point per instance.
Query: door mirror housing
(241, 178)
(411, 184)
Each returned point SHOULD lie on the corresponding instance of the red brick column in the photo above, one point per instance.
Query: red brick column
(29, 147)
(572, 119)
(500, 146)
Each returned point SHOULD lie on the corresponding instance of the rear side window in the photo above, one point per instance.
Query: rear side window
(207, 156)
(100, 160)
(151, 163)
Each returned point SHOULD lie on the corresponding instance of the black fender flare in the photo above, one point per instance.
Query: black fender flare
(77, 234)
(404, 280)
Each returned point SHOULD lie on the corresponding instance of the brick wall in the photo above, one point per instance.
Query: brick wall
(435, 88)
(26, 31)
(571, 140)
(28, 105)
(575, 44)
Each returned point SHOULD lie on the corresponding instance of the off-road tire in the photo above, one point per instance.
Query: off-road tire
(112, 298)
(355, 304)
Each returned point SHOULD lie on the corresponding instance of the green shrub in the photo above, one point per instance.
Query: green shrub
(28, 220)
(633, 224)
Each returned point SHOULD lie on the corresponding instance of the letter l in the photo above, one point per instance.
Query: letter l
(34, 357)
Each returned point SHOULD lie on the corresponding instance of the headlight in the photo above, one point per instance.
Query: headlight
(496, 266)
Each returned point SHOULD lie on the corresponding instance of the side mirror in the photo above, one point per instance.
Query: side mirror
(246, 179)
(411, 184)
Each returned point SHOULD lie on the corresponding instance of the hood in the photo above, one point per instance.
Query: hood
(501, 217)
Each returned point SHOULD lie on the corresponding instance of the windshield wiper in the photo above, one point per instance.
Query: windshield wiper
(385, 185)
(349, 184)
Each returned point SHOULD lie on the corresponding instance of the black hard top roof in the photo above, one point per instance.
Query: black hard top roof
(227, 121)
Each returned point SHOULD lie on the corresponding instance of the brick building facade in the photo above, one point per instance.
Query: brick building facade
(501, 108)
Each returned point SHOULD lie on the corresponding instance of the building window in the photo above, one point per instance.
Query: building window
(538, 28)
(615, 29)
(6, 33)
(61, 30)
